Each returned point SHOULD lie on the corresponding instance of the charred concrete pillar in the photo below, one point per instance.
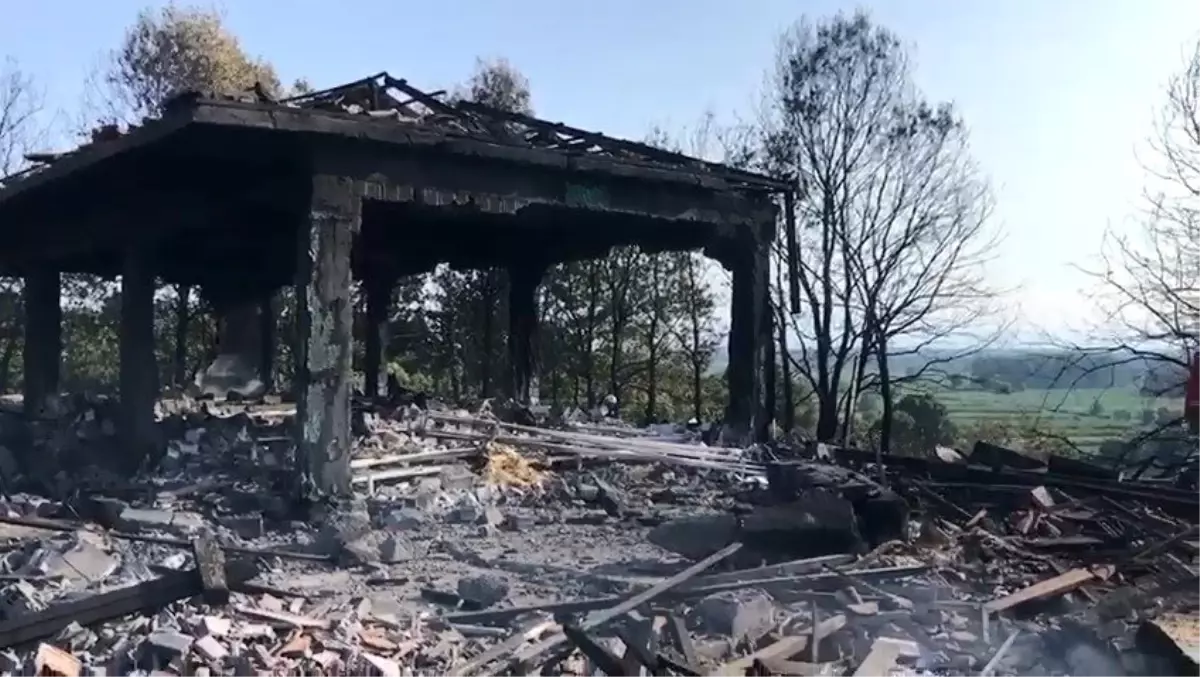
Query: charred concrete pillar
(324, 338)
(266, 336)
(139, 370)
(378, 335)
(523, 280)
(43, 337)
(746, 258)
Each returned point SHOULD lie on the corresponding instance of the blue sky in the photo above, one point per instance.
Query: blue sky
(1058, 93)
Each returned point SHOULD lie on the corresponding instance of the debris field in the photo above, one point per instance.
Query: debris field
(479, 546)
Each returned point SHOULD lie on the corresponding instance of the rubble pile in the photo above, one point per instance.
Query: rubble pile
(477, 546)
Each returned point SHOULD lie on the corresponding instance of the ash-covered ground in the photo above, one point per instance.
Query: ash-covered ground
(473, 546)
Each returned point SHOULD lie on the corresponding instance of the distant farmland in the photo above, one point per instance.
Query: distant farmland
(1070, 413)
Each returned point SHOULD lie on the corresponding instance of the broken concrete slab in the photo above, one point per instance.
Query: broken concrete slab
(819, 522)
(180, 522)
(744, 615)
(395, 549)
(695, 537)
(484, 590)
(343, 528)
(170, 643)
(81, 561)
(404, 519)
(248, 527)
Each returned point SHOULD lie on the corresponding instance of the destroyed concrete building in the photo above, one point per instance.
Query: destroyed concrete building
(470, 544)
(369, 181)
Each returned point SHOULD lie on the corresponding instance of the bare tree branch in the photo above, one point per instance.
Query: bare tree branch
(1147, 283)
(20, 104)
(894, 227)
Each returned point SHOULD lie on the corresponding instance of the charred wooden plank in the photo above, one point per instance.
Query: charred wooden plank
(67, 526)
(806, 581)
(1063, 583)
(682, 639)
(785, 647)
(641, 647)
(601, 657)
(149, 597)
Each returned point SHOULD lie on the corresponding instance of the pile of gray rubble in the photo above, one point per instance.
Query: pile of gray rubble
(475, 546)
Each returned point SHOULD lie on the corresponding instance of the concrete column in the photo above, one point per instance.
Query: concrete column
(43, 337)
(523, 280)
(139, 370)
(378, 332)
(324, 339)
(746, 259)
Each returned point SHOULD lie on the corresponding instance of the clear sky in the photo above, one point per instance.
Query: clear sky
(1058, 93)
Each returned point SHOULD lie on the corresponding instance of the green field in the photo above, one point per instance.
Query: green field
(1070, 413)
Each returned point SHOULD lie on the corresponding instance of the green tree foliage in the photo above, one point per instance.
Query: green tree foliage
(1057, 370)
(473, 305)
(175, 49)
(920, 423)
(497, 83)
(165, 51)
(640, 326)
(1020, 433)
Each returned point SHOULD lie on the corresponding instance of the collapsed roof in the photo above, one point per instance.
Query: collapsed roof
(383, 97)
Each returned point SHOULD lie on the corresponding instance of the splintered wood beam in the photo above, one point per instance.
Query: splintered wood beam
(634, 601)
(600, 618)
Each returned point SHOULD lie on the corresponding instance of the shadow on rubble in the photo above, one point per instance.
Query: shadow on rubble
(805, 510)
(72, 452)
(73, 440)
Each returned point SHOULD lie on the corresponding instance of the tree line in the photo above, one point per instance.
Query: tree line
(892, 235)
(1006, 371)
